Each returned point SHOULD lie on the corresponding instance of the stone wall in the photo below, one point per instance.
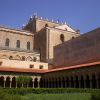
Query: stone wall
(22, 64)
(54, 38)
(83, 49)
(13, 36)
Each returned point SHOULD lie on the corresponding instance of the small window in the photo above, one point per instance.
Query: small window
(31, 66)
(73, 37)
(10, 57)
(62, 38)
(0, 63)
(28, 45)
(46, 25)
(34, 59)
(7, 42)
(18, 44)
(41, 67)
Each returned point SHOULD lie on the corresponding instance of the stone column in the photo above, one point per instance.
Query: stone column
(61, 81)
(22, 85)
(69, 82)
(84, 79)
(33, 82)
(97, 79)
(74, 82)
(38, 82)
(65, 82)
(54, 83)
(57, 83)
(16, 84)
(79, 81)
(10, 82)
(4, 82)
(47, 83)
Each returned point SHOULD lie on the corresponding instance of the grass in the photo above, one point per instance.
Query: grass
(49, 94)
(67, 96)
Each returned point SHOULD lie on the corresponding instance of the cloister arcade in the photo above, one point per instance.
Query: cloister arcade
(86, 81)
(77, 78)
(11, 82)
(73, 82)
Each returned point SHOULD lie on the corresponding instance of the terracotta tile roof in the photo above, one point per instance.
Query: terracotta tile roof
(9, 69)
(41, 71)
(73, 67)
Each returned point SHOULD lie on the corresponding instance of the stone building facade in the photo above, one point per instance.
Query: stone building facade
(48, 34)
(17, 49)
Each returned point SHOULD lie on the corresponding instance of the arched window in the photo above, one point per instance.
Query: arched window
(7, 42)
(62, 38)
(28, 45)
(18, 44)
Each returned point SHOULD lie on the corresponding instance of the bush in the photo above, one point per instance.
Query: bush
(95, 96)
(23, 91)
(19, 93)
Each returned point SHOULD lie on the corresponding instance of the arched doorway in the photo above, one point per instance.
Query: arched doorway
(13, 82)
(35, 83)
(76, 82)
(7, 84)
(82, 82)
(41, 82)
(72, 82)
(94, 81)
(1, 81)
(99, 81)
(60, 82)
(63, 82)
(87, 81)
(67, 82)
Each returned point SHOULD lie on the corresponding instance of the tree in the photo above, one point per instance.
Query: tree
(23, 80)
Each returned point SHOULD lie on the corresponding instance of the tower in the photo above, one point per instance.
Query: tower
(48, 34)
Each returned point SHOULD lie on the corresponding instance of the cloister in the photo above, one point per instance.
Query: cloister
(80, 76)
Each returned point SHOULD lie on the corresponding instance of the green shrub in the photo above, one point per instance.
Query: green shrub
(95, 96)
(23, 91)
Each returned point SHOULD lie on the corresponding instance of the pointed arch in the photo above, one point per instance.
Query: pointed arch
(1, 81)
(7, 84)
(17, 57)
(4, 57)
(29, 58)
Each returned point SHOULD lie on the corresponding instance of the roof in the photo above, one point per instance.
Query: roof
(74, 67)
(41, 71)
(65, 27)
(24, 32)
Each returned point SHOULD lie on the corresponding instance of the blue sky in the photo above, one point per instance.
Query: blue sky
(80, 14)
